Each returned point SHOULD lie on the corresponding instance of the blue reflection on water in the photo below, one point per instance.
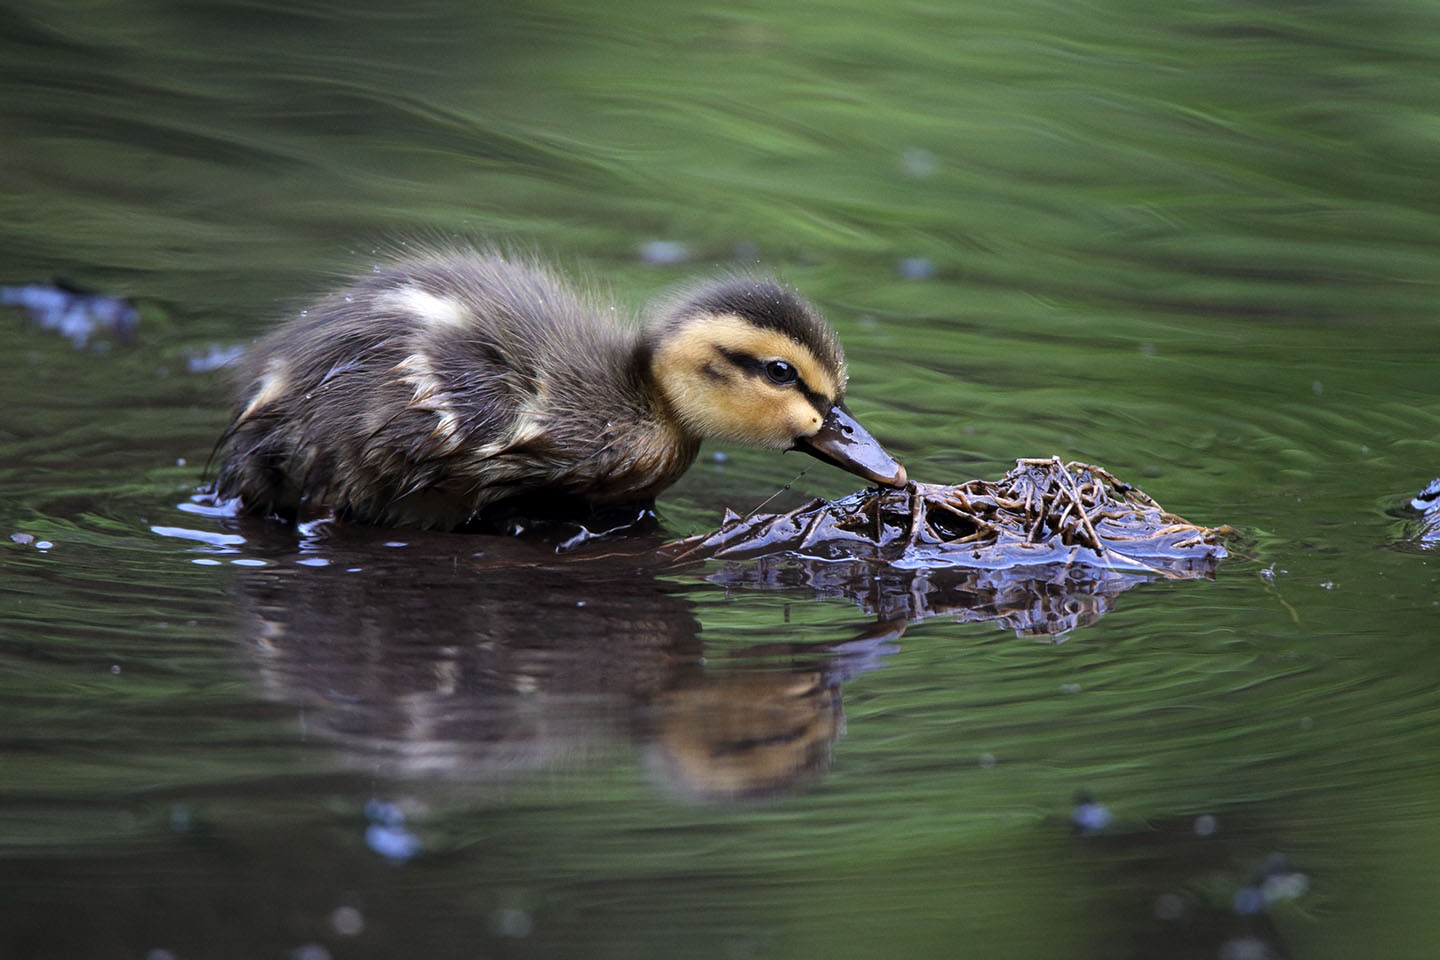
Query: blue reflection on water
(387, 834)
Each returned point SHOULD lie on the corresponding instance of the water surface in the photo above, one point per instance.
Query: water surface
(1194, 244)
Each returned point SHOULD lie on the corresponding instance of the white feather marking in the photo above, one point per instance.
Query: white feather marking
(526, 429)
(417, 371)
(428, 393)
(430, 309)
(272, 385)
(447, 431)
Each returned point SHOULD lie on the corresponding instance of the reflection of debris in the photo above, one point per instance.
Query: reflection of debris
(75, 316)
(1043, 601)
(1045, 549)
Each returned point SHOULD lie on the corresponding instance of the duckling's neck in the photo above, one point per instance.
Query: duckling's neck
(663, 447)
(606, 419)
(651, 386)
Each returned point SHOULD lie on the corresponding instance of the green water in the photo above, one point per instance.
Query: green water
(1198, 244)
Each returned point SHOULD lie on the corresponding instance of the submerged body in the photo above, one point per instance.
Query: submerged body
(440, 386)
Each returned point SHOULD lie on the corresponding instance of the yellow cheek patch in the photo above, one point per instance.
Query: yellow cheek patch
(760, 418)
(715, 398)
(800, 417)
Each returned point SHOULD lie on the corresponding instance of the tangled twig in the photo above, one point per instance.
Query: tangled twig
(1042, 511)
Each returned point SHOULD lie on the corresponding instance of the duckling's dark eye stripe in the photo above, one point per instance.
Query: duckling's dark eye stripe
(819, 401)
(750, 364)
(755, 367)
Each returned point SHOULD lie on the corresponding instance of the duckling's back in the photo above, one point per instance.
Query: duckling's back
(439, 385)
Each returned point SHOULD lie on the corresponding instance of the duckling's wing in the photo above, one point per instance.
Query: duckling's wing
(427, 391)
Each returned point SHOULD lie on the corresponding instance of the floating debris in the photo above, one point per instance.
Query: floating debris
(1040, 513)
(1043, 550)
(1424, 533)
(1088, 816)
(1421, 516)
(387, 834)
(1429, 498)
(76, 316)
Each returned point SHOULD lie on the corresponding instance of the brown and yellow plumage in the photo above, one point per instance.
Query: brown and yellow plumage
(442, 384)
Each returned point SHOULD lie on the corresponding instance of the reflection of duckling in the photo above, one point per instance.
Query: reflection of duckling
(440, 385)
(745, 736)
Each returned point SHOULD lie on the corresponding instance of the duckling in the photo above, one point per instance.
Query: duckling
(443, 384)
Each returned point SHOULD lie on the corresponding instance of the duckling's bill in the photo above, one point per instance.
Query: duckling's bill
(841, 441)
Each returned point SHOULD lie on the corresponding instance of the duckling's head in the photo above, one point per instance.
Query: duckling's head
(751, 361)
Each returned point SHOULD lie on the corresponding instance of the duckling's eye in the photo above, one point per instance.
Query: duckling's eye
(780, 372)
